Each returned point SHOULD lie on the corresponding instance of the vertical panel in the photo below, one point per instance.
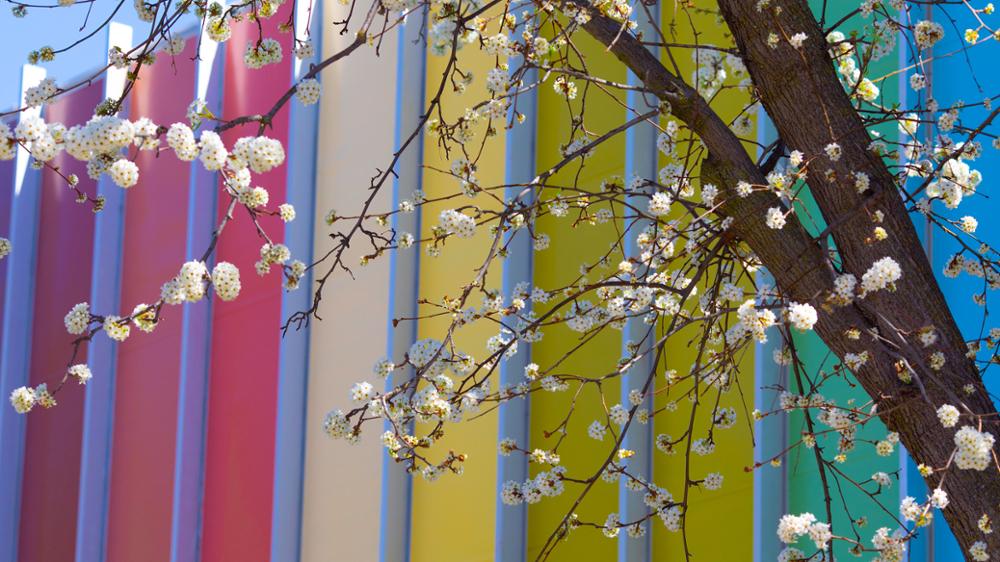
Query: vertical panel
(242, 405)
(770, 497)
(556, 267)
(770, 494)
(105, 286)
(920, 548)
(196, 329)
(963, 74)
(350, 338)
(514, 416)
(63, 278)
(734, 450)
(397, 485)
(7, 168)
(146, 390)
(7, 178)
(18, 315)
(641, 156)
(289, 454)
(452, 501)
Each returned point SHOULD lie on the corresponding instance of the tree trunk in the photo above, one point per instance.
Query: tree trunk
(810, 108)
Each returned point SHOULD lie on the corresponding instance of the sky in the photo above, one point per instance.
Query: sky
(57, 27)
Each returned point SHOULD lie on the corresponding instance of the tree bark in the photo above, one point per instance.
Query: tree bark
(810, 108)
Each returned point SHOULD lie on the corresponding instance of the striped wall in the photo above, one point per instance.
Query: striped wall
(204, 441)
(641, 158)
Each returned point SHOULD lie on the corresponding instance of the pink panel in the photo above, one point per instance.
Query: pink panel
(52, 450)
(243, 387)
(146, 384)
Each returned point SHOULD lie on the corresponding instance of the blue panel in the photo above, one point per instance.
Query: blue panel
(397, 485)
(952, 80)
(196, 331)
(15, 349)
(513, 422)
(102, 353)
(920, 548)
(293, 362)
(98, 418)
(641, 159)
(770, 489)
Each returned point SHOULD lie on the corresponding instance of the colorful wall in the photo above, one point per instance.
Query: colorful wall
(204, 441)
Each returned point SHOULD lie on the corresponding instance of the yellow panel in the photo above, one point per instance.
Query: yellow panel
(556, 267)
(349, 340)
(453, 517)
(733, 503)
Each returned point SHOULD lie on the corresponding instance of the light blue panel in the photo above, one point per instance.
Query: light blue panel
(514, 416)
(641, 160)
(770, 492)
(921, 547)
(397, 485)
(293, 361)
(196, 332)
(102, 352)
(15, 350)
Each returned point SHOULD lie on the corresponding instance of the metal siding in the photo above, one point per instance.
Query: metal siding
(770, 499)
(453, 501)
(555, 267)
(734, 449)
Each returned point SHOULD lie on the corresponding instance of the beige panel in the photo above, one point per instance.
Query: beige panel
(342, 481)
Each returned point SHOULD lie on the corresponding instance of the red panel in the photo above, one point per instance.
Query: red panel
(243, 388)
(52, 450)
(149, 364)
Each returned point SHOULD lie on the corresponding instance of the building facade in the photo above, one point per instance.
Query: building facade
(204, 440)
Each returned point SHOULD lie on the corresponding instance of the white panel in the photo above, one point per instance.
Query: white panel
(341, 499)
